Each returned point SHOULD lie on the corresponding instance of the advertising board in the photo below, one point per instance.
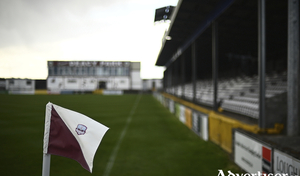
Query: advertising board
(188, 118)
(177, 110)
(171, 106)
(200, 124)
(252, 155)
(286, 164)
(182, 114)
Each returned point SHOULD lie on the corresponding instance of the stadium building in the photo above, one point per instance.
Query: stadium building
(68, 77)
(152, 85)
(232, 72)
(18, 86)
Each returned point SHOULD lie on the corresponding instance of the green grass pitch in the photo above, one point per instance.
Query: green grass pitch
(156, 142)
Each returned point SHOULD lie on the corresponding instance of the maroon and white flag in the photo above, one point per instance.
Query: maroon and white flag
(71, 134)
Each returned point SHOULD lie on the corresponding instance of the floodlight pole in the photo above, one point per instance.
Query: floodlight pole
(46, 164)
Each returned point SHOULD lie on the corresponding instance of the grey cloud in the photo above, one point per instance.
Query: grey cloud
(33, 21)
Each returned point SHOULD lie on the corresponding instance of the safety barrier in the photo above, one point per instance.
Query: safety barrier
(220, 129)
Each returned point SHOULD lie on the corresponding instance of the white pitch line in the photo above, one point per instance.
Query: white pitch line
(116, 149)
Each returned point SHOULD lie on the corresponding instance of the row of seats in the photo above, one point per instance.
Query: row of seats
(239, 95)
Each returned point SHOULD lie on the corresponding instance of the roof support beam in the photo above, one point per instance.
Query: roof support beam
(176, 78)
(262, 61)
(169, 77)
(182, 65)
(194, 73)
(165, 81)
(215, 63)
(293, 68)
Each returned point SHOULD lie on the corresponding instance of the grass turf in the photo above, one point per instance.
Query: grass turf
(155, 143)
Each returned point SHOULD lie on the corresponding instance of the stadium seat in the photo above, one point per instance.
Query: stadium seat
(238, 95)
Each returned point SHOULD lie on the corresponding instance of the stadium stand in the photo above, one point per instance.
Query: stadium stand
(239, 95)
(236, 62)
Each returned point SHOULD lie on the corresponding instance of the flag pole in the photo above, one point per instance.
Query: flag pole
(46, 164)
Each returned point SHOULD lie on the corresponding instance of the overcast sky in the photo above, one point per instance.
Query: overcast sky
(34, 31)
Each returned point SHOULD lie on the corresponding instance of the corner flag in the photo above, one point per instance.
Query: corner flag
(72, 135)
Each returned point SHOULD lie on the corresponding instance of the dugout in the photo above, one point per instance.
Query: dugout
(238, 59)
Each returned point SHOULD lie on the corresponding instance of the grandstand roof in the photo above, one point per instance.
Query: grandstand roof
(184, 22)
(191, 18)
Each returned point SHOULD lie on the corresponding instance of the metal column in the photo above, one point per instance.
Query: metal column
(215, 63)
(164, 81)
(262, 61)
(194, 74)
(182, 74)
(175, 78)
(169, 78)
(293, 68)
